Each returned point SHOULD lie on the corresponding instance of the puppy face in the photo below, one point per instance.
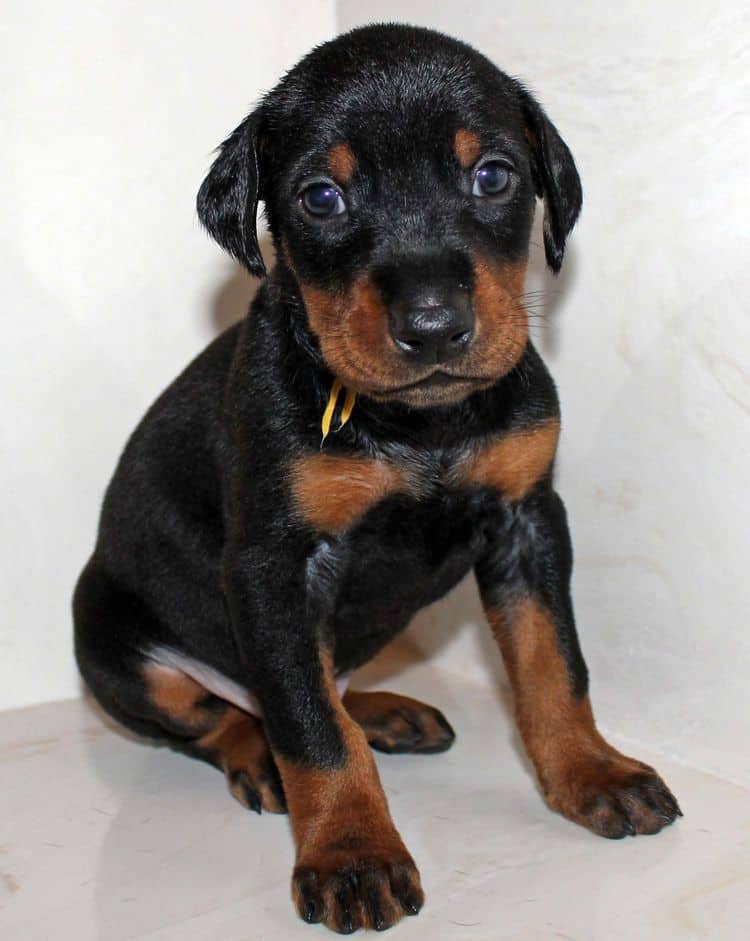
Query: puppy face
(399, 169)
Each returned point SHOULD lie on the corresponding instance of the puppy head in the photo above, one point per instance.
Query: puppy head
(399, 170)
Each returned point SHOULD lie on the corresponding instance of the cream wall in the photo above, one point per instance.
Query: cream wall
(109, 113)
(648, 335)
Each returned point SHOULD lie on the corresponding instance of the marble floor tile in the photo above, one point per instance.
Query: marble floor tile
(104, 839)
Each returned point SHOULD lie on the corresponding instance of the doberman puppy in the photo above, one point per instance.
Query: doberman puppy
(378, 425)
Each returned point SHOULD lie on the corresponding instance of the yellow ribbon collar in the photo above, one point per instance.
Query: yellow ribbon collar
(346, 410)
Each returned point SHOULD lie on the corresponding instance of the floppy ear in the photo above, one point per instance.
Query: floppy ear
(557, 179)
(228, 197)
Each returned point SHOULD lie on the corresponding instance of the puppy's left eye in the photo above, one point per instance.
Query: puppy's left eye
(491, 179)
(323, 200)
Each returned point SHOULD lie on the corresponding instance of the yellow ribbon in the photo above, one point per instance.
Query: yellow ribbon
(346, 410)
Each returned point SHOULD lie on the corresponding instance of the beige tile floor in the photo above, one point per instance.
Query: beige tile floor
(102, 838)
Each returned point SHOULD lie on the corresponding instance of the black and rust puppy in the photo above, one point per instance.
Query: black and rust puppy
(244, 568)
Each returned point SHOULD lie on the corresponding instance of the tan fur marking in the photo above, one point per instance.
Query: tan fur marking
(467, 147)
(236, 739)
(353, 331)
(341, 163)
(502, 322)
(550, 719)
(574, 763)
(175, 694)
(514, 463)
(238, 744)
(332, 493)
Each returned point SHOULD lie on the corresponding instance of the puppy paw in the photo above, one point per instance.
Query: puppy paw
(258, 788)
(242, 751)
(397, 724)
(350, 891)
(612, 795)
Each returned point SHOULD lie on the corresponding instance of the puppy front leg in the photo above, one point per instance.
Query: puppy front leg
(525, 591)
(352, 869)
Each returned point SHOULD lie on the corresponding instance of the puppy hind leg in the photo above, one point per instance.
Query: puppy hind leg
(114, 632)
(219, 733)
(239, 747)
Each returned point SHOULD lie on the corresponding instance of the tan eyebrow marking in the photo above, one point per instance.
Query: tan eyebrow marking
(341, 163)
(467, 147)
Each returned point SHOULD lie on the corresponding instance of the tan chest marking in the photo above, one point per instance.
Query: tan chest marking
(514, 463)
(332, 493)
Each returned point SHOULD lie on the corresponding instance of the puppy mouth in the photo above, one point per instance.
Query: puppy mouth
(438, 384)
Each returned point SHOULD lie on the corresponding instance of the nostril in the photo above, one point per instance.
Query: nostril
(411, 345)
(461, 338)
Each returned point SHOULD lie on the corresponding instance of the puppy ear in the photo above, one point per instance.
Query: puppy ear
(228, 198)
(557, 179)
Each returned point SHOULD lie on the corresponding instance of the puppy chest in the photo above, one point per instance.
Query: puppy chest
(410, 549)
(333, 493)
(398, 559)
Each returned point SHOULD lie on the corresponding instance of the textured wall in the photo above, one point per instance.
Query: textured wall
(648, 335)
(109, 115)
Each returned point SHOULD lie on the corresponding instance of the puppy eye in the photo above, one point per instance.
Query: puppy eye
(491, 179)
(323, 200)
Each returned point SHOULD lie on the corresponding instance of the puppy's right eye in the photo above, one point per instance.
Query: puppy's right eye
(323, 200)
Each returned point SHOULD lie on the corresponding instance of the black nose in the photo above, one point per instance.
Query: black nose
(433, 333)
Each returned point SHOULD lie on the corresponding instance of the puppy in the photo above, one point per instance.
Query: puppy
(378, 425)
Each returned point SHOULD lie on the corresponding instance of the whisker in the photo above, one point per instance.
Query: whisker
(537, 294)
